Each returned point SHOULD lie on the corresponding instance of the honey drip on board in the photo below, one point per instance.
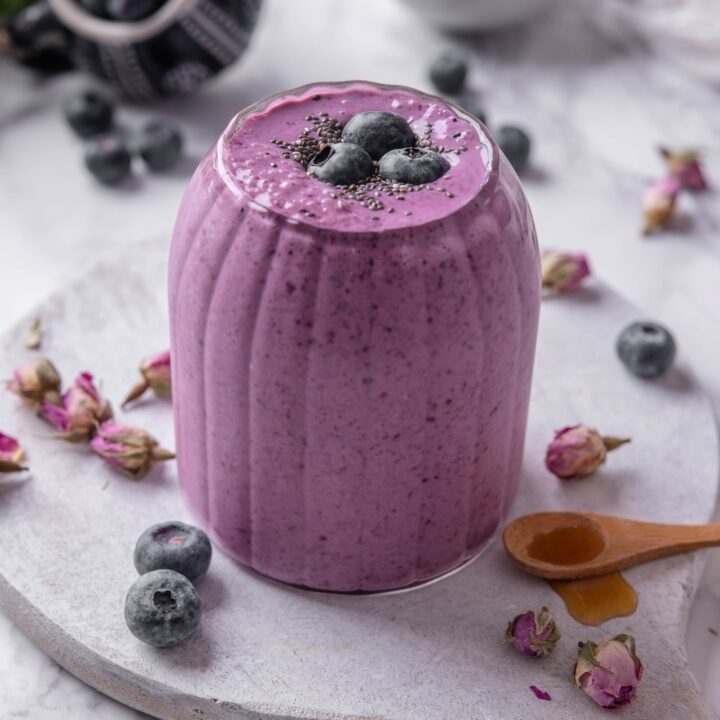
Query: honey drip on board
(591, 601)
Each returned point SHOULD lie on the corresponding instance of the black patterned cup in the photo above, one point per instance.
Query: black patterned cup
(171, 52)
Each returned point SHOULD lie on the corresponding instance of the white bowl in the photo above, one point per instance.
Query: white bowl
(468, 15)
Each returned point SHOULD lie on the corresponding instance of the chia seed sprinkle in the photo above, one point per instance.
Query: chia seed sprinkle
(324, 130)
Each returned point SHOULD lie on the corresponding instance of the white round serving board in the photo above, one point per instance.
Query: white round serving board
(265, 650)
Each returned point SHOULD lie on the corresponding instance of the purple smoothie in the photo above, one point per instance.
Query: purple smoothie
(350, 383)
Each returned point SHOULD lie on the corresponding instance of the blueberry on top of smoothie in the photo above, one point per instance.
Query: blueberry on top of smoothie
(378, 132)
(132, 10)
(413, 165)
(341, 164)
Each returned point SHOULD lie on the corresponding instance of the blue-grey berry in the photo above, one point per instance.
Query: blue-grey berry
(448, 73)
(646, 349)
(160, 145)
(174, 546)
(341, 164)
(378, 131)
(412, 165)
(162, 608)
(515, 144)
(89, 113)
(109, 160)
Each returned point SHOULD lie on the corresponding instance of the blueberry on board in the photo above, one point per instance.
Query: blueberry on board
(378, 131)
(108, 160)
(89, 113)
(646, 349)
(162, 608)
(160, 145)
(132, 10)
(448, 73)
(174, 546)
(413, 165)
(515, 144)
(341, 164)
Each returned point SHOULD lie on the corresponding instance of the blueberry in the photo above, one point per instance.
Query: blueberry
(98, 8)
(413, 165)
(515, 143)
(132, 10)
(646, 349)
(378, 132)
(448, 73)
(162, 608)
(160, 145)
(174, 546)
(89, 113)
(341, 164)
(472, 107)
(108, 160)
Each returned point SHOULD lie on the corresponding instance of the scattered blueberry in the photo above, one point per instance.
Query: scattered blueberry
(132, 10)
(378, 131)
(341, 164)
(412, 165)
(515, 143)
(174, 546)
(89, 113)
(108, 160)
(472, 106)
(162, 608)
(448, 73)
(98, 8)
(646, 349)
(160, 145)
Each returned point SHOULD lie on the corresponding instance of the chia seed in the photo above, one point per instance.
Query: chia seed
(324, 130)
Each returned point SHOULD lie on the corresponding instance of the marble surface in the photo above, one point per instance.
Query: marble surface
(597, 109)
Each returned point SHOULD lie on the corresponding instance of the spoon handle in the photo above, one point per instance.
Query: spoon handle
(656, 540)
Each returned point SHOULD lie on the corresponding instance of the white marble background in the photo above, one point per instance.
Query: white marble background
(596, 109)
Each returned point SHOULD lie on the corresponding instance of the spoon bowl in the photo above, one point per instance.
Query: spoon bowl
(570, 546)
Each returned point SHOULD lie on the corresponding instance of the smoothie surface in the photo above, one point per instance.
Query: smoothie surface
(253, 165)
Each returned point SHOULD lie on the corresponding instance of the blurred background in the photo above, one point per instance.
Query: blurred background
(597, 86)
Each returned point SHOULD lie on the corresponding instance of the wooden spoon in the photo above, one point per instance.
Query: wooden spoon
(569, 546)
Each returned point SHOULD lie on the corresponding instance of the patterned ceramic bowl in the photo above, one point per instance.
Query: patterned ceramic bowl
(171, 52)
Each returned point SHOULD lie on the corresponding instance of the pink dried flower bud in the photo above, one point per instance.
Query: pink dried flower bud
(534, 633)
(81, 411)
(659, 203)
(36, 382)
(563, 271)
(609, 672)
(11, 455)
(685, 165)
(155, 372)
(129, 449)
(578, 451)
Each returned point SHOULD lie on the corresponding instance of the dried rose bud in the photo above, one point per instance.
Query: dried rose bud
(686, 167)
(129, 449)
(578, 451)
(659, 203)
(155, 372)
(11, 455)
(533, 633)
(36, 382)
(609, 672)
(82, 409)
(563, 271)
